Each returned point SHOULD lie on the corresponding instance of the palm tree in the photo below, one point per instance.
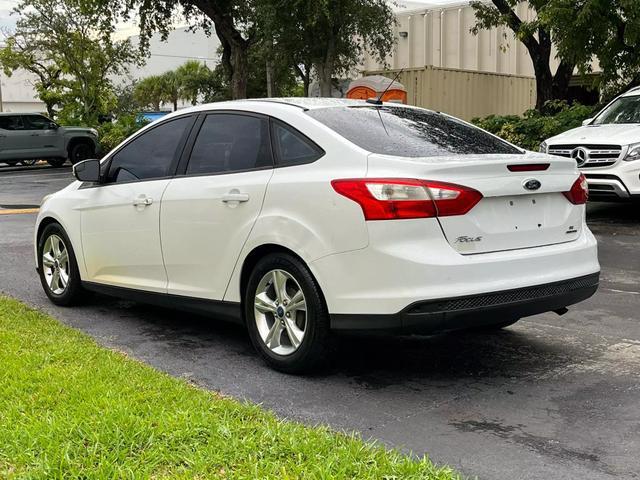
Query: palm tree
(150, 92)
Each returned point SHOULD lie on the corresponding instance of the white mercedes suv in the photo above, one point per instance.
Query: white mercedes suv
(301, 217)
(606, 148)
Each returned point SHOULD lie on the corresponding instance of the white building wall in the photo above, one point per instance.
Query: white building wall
(18, 94)
(181, 46)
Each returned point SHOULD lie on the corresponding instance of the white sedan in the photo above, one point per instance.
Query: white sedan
(300, 217)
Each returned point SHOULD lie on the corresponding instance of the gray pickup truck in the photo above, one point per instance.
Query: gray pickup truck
(27, 137)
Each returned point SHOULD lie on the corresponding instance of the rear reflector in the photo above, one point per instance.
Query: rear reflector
(528, 167)
(579, 193)
(403, 198)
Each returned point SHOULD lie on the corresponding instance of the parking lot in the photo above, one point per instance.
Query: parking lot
(551, 397)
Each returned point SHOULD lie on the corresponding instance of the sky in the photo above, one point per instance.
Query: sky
(8, 21)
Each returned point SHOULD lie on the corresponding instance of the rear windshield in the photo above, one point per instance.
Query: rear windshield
(409, 132)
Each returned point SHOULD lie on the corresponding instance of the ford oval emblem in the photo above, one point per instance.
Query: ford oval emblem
(532, 184)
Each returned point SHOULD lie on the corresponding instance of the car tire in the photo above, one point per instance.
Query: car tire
(290, 331)
(81, 151)
(65, 288)
(56, 162)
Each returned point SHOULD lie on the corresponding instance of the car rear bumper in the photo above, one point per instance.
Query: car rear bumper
(473, 311)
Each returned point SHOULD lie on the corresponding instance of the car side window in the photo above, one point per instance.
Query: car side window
(149, 155)
(229, 142)
(36, 122)
(293, 148)
(11, 122)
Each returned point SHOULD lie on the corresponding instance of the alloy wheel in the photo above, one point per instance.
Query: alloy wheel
(280, 311)
(55, 264)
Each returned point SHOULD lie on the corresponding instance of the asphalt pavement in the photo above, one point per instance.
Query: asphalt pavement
(549, 398)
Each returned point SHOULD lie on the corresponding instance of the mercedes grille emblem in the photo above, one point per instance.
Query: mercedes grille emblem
(580, 155)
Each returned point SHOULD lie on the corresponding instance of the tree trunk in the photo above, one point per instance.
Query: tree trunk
(561, 80)
(175, 104)
(271, 88)
(324, 72)
(240, 71)
(305, 76)
(544, 82)
(51, 112)
(234, 45)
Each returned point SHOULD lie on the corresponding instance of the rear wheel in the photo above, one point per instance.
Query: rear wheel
(81, 151)
(56, 162)
(58, 267)
(285, 313)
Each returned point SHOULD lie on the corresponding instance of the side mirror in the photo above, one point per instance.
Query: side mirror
(587, 122)
(53, 126)
(87, 171)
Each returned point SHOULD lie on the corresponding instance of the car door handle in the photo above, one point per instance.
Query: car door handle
(142, 201)
(235, 196)
(35, 134)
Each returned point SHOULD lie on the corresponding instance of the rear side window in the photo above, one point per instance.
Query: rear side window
(409, 132)
(36, 122)
(151, 154)
(230, 142)
(11, 122)
(293, 148)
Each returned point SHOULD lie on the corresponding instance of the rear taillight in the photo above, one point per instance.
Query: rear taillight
(402, 198)
(579, 193)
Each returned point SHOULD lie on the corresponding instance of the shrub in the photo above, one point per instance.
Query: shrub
(113, 133)
(534, 127)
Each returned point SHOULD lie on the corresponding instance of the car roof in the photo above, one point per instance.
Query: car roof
(6, 114)
(634, 92)
(300, 103)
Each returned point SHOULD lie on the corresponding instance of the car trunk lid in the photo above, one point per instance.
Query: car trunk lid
(522, 208)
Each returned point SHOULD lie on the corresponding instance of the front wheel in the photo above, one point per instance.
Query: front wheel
(81, 151)
(58, 267)
(286, 316)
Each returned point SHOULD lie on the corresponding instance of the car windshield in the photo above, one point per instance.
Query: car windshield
(622, 110)
(409, 132)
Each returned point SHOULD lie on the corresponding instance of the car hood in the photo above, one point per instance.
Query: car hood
(78, 129)
(599, 135)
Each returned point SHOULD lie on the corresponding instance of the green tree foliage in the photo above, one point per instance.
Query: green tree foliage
(195, 80)
(20, 52)
(233, 21)
(192, 81)
(536, 37)
(149, 92)
(608, 30)
(534, 126)
(328, 35)
(111, 134)
(68, 45)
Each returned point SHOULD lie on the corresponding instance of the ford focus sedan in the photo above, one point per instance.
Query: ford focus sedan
(300, 218)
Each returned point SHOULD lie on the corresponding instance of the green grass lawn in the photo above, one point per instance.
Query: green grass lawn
(72, 409)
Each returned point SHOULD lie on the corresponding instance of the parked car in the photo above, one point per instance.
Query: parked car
(26, 137)
(299, 217)
(606, 148)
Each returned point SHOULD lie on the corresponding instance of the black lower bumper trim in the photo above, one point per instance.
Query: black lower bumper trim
(432, 316)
